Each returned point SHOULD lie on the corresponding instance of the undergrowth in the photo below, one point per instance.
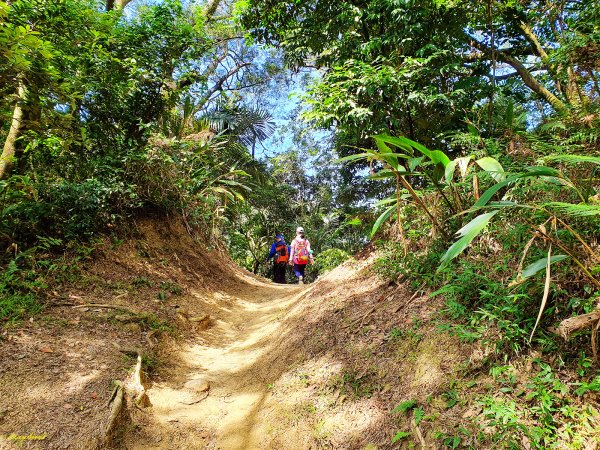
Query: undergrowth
(554, 402)
(29, 275)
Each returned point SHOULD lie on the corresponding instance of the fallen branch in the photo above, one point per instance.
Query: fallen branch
(569, 326)
(410, 300)
(362, 318)
(102, 305)
(418, 433)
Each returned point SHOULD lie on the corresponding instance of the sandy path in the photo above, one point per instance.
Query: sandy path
(184, 413)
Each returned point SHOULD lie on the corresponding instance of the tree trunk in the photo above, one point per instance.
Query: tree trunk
(10, 145)
(116, 4)
(523, 72)
(211, 8)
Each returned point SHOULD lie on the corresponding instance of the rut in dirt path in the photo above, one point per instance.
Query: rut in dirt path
(217, 385)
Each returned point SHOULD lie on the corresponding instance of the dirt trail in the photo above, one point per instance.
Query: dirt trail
(275, 367)
(215, 387)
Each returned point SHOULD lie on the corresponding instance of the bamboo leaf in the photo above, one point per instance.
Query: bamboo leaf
(384, 174)
(382, 218)
(354, 157)
(408, 145)
(467, 234)
(386, 201)
(546, 291)
(540, 264)
(532, 172)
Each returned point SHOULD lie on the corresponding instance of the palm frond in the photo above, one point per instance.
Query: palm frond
(248, 125)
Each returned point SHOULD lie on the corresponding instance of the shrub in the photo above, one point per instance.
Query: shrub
(330, 259)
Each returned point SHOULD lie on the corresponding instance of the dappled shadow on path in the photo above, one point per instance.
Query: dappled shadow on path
(292, 368)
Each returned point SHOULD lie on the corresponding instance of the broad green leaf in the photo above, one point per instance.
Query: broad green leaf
(540, 264)
(449, 171)
(382, 139)
(382, 146)
(463, 165)
(413, 163)
(467, 234)
(391, 159)
(382, 218)
(382, 174)
(493, 167)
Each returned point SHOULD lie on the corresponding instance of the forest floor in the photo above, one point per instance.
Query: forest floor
(232, 361)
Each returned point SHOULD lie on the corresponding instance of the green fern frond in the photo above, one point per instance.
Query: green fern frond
(574, 159)
(577, 210)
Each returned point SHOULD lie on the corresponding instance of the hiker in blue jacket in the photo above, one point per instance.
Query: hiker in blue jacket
(280, 251)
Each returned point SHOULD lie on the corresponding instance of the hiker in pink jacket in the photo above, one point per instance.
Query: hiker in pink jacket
(300, 254)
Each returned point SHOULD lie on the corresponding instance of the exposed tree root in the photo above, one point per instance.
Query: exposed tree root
(116, 403)
(133, 392)
(135, 387)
